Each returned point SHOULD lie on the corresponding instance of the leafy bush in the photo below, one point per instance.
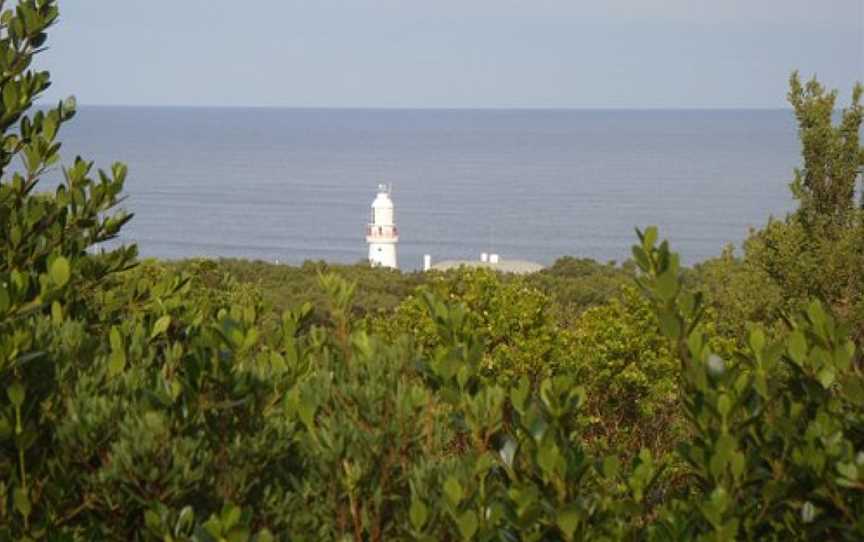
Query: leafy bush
(282, 287)
(770, 457)
(576, 284)
(630, 375)
(740, 293)
(818, 250)
(514, 322)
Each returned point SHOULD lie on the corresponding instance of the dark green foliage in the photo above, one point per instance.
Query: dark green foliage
(776, 447)
(817, 251)
(150, 401)
(630, 375)
(378, 289)
(576, 284)
(512, 319)
(741, 292)
(825, 184)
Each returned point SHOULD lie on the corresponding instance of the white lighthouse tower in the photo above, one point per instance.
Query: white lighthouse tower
(381, 233)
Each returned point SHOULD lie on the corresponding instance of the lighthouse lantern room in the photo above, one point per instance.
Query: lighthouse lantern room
(381, 232)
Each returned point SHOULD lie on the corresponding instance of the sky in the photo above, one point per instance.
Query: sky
(452, 53)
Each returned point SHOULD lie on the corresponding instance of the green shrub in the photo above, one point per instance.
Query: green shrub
(770, 457)
(576, 284)
(513, 319)
(630, 375)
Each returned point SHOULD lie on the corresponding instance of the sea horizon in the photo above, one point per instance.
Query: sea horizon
(295, 184)
(47, 104)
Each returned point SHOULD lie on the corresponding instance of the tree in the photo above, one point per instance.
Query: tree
(45, 269)
(816, 251)
(825, 184)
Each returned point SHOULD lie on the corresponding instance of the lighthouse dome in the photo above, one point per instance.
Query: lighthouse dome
(382, 208)
(382, 200)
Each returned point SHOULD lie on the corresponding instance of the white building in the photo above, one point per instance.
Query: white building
(381, 232)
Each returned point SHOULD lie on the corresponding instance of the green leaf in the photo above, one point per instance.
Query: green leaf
(49, 128)
(519, 395)
(667, 285)
(213, 527)
(640, 257)
(843, 356)
(723, 454)
(798, 347)
(277, 362)
(670, 325)
(816, 314)
(60, 271)
(306, 411)
(687, 304)
(568, 520)
(56, 313)
(724, 404)
(418, 514)
(826, 376)
(16, 393)
(547, 457)
(453, 491)
(695, 343)
(757, 341)
(116, 339)
(467, 523)
(650, 238)
(230, 516)
(185, 520)
(22, 502)
(117, 362)
(161, 326)
(853, 389)
(10, 96)
(848, 471)
(611, 466)
(152, 520)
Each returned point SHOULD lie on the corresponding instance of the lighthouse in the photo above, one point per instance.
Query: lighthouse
(381, 232)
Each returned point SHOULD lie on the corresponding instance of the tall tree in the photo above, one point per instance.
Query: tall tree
(833, 157)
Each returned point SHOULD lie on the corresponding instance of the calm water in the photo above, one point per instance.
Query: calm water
(297, 184)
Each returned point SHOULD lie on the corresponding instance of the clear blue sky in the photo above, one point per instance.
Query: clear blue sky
(452, 53)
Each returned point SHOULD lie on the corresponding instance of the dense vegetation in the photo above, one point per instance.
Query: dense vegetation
(227, 400)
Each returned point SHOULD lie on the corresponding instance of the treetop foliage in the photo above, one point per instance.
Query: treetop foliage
(833, 157)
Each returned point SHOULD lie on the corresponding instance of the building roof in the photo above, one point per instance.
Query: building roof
(519, 267)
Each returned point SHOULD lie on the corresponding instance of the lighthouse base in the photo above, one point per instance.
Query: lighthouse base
(383, 255)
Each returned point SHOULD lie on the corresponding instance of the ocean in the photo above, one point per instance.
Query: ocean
(290, 185)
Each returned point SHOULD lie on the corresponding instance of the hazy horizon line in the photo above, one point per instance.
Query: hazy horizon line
(417, 108)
